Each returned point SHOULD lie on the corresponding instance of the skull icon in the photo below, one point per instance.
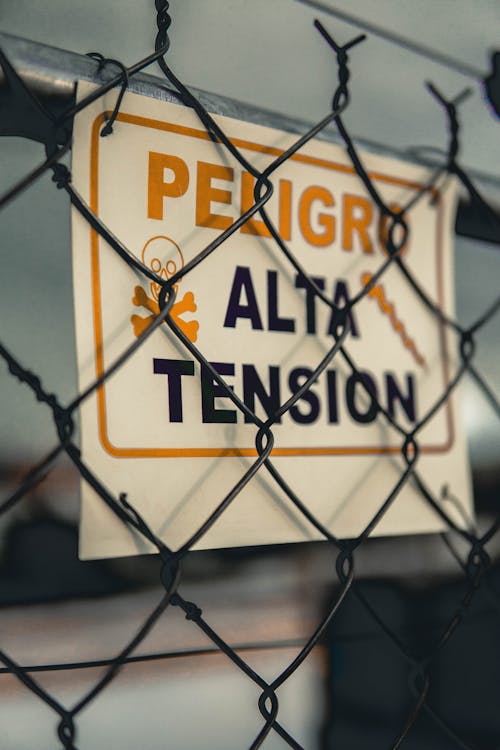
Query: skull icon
(164, 257)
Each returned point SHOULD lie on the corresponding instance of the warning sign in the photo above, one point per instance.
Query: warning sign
(161, 428)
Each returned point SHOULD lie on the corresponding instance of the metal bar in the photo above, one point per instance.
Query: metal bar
(52, 73)
(470, 224)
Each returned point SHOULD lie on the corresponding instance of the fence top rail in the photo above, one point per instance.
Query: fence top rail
(52, 72)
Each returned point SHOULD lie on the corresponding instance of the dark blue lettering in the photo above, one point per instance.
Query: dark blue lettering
(253, 386)
(174, 369)
(331, 389)
(275, 323)
(210, 390)
(340, 300)
(394, 395)
(369, 394)
(301, 283)
(235, 309)
(296, 380)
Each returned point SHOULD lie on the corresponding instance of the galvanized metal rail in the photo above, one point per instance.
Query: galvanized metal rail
(51, 73)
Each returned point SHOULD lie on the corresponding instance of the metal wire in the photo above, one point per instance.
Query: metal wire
(472, 568)
(390, 36)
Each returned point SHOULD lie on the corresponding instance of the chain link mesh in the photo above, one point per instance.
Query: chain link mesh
(472, 568)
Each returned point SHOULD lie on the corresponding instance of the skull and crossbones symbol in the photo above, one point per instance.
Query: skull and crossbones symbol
(164, 257)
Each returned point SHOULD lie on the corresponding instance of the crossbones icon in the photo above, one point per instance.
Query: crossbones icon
(163, 256)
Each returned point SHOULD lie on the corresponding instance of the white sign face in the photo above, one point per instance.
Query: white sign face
(160, 429)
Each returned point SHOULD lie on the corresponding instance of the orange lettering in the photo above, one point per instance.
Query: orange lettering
(158, 188)
(285, 209)
(206, 194)
(326, 237)
(383, 230)
(358, 223)
(253, 225)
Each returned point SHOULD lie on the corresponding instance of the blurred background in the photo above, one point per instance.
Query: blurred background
(352, 692)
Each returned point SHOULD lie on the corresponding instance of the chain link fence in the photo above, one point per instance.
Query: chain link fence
(55, 133)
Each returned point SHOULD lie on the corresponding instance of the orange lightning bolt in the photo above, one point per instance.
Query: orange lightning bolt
(377, 292)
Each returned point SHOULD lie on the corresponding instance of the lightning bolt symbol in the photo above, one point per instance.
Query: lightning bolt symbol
(377, 293)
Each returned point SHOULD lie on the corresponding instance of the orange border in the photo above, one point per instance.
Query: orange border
(97, 306)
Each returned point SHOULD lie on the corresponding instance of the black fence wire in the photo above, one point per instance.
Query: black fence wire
(19, 105)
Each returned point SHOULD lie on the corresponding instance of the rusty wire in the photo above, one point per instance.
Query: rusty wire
(475, 564)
